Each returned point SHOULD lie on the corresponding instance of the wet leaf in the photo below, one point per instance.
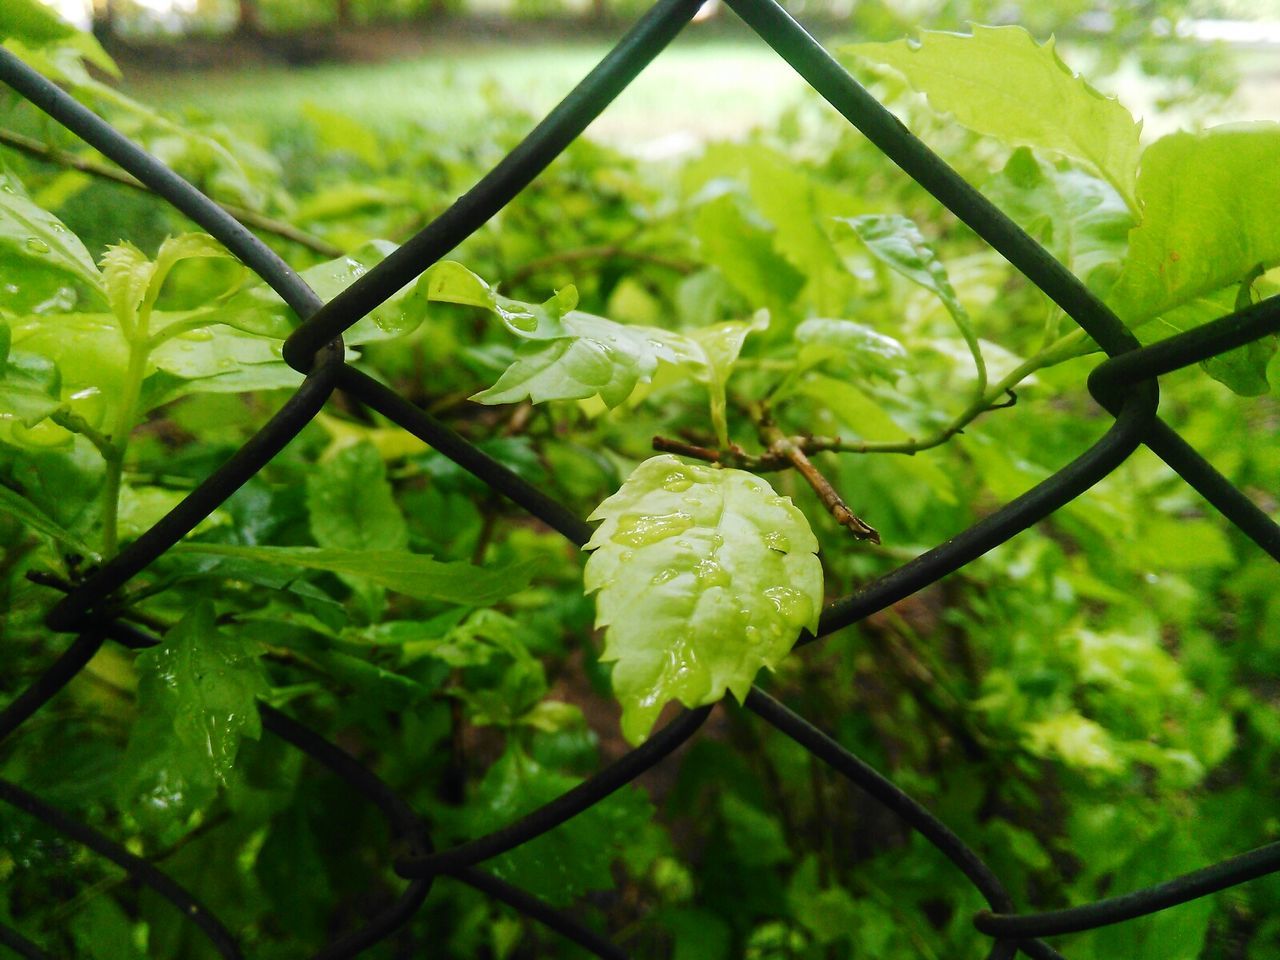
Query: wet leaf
(34, 239)
(575, 857)
(999, 82)
(704, 576)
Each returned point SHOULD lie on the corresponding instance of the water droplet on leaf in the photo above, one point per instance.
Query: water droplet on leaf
(639, 530)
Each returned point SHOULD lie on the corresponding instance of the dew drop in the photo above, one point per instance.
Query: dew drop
(711, 574)
(521, 321)
(639, 530)
(777, 541)
(677, 481)
(792, 605)
(663, 576)
(36, 245)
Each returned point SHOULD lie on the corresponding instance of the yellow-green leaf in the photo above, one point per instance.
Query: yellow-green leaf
(704, 576)
(998, 81)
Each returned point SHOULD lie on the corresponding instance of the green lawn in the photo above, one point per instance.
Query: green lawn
(694, 89)
(700, 88)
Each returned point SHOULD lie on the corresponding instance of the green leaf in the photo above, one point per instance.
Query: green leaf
(19, 507)
(756, 838)
(351, 505)
(412, 574)
(35, 24)
(451, 282)
(126, 275)
(576, 856)
(704, 576)
(855, 345)
(595, 356)
(32, 22)
(1207, 200)
(1080, 219)
(208, 683)
(258, 309)
(742, 250)
(999, 82)
(897, 242)
(32, 237)
(721, 343)
(1242, 370)
(103, 931)
(801, 208)
(197, 694)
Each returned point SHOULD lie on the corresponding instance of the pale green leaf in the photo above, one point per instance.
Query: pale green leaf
(258, 309)
(1000, 82)
(451, 282)
(741, 248)
(801, 208)
(704, 576)
(32, 22)
(854, 345)
(594, 357)
(33, 237)
(214, 351)
(412, 574)
(126, 275)
(35, 24)
(897, 242)
(1208, 202)
(351, 505)
(1079, 218)
(1075, 740)
(721, 343)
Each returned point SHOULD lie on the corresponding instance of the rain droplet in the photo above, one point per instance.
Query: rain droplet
(522, 321)
(36, 245)
(791, 604)
(663, 576)
(677, 481)
(642, 529)
(777, 541)
(711, 574)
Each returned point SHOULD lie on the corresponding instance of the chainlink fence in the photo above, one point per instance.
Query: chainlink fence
(1125, 384)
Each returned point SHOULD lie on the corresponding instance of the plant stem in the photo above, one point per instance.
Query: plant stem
(780, 443)
(1061, 350)
(50, 154)
(138, 353)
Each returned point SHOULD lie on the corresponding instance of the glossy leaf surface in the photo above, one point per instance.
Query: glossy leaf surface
(704, 576)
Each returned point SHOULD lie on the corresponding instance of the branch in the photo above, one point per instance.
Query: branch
(50, 154)
(780, 443)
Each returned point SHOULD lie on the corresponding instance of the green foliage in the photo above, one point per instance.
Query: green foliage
(999, 82)
(788, 298)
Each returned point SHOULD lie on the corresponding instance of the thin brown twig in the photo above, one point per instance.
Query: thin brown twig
(50, 154)
(779, 443)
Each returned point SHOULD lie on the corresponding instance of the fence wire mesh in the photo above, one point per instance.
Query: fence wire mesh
(1125, 384)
